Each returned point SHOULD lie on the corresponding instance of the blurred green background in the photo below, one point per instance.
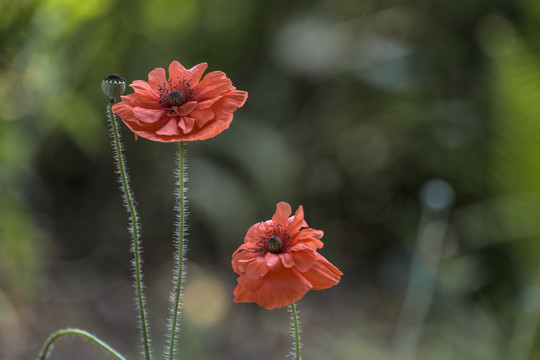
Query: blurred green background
(353, 106)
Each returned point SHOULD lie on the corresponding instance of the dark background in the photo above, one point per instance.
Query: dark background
(353, 106)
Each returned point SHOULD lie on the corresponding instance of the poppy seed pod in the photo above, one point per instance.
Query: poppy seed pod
(113, 86)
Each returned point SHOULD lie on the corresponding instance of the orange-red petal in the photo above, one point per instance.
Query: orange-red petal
(157, 78)
(273, 261)
(213, 84)
(303, 260)
(170, 128)
(281, 216)
(256, 268)
(148, 115)
(322, 274)
(276, 289)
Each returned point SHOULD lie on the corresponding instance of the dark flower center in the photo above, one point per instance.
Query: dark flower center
(176, 98)
(274, 244)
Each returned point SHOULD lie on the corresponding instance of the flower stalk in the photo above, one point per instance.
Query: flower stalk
(180, 256)
(133, 228)
(295, 331)
(47, 347)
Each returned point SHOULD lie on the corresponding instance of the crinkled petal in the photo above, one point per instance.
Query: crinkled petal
(202, 116)
(256, 268)
(124, 110)
(248, 285)
(212, 129)
(303, 260)
(186, 108)
(148, 116)
(213, 84)
(281, 217)
(157, 78)
(309, 236)
(186, 124)
(242, 257)
(170, 128)
(195, 73)
(305, 245)
(286, 259)
(177, 72)
(144, 89)
(207, 103)
(273, 261)
(276, 289)
(322, 274)
(255, 233)
(229, 102)
(296, 222)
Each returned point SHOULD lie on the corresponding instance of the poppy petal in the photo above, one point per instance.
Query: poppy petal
(144, 89)
(205, 104)
(123, 109)
(148, 115)
(248, 285)
(203, 116)
(229, 102)
(170, 128)
(157, 78)
(186, 124)
(176, 71)
(287, 259)
(213, 129)
(273, 261)
(322, 274)
(186, 108)
(283, 210)
(213, 84)
(278, 289)
(256, 268)
(255, 233)
(195, 73)
(297, 221)
(303, 260)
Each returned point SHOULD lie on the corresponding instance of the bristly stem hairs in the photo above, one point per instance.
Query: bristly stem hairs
(114, 86)
(47, 347)
(295, 331)
(180, 255)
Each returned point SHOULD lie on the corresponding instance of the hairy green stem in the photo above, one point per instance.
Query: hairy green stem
(296, 329)
(47, 347)
(134, 229)
(179, 271)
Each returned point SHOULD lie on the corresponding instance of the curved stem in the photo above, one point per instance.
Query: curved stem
(296, 329)
(179, 272)
(134, 229)
(47, 347)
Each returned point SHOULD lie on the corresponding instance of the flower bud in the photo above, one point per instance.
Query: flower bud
(113, 86)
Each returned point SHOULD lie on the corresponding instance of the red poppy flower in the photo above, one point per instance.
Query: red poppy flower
(180, 107)
(278, 262)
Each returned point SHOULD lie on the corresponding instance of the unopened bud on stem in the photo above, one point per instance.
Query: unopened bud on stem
(113, 86)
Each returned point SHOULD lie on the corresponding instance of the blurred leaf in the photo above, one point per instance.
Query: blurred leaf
(514, 156)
